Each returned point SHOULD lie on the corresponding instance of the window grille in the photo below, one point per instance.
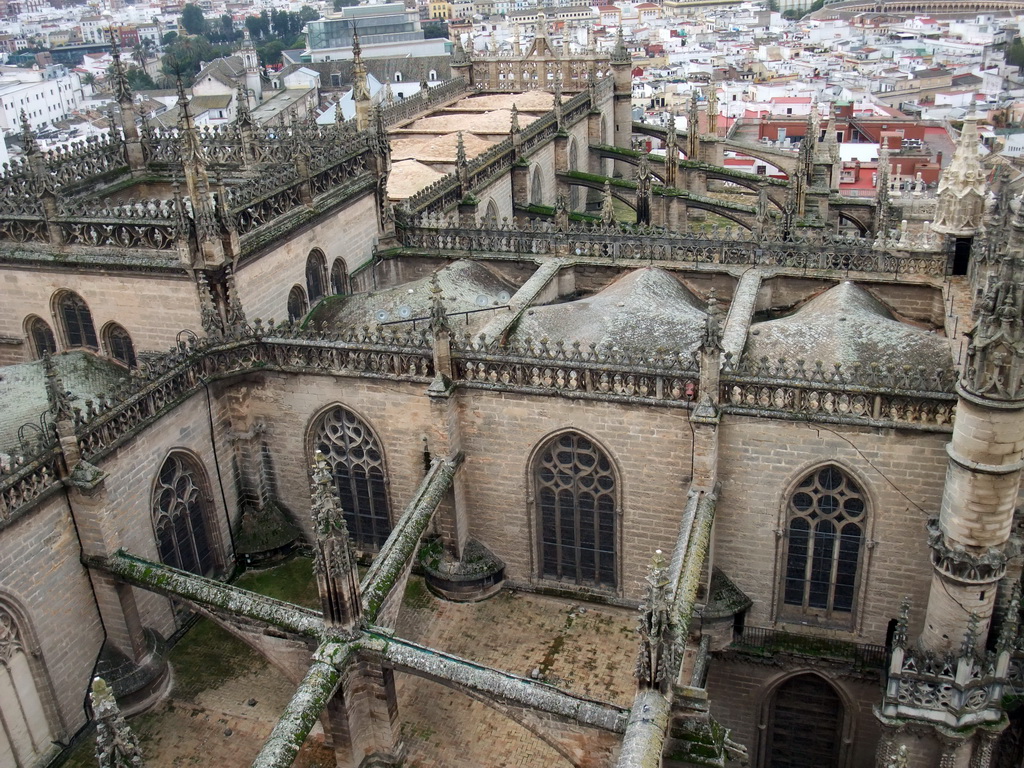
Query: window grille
(575, 492)
(357, 465)
(79, 330)
(41, 337)
(180, 517)
(316, 276)
(825, 533)
(119, 345)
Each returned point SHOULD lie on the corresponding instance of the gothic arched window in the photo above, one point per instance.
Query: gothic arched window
(297, 306)
(26, 737)
(576, 509)
(181, 517)
(76, 321)
(119, 344)
(339, 277)
(825, 531)
(357, 465)
(536, 189)
(316, 276)
(40, 337)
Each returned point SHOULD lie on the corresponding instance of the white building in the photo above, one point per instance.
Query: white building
(45, 95)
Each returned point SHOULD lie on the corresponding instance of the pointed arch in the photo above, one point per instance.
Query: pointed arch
(75, 321)
(316, 275)
(360, 473)
(182, 511)
(297, 306)
(491, 216)
(576, 498)
(536, 187)
(40, 338)
(28, 719)
(339, 277)
(117, 343)
(805, 720)
(825, 522)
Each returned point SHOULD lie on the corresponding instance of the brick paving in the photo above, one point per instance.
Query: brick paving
(588, 650)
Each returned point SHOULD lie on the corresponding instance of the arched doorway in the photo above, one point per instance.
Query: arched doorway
(804, 725)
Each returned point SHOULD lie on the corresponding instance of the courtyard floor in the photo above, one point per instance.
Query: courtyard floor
(225, 698)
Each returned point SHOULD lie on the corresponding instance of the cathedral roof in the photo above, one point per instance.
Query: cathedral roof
(846, 324)
(23, 391)
(465, 286)
(645, 312)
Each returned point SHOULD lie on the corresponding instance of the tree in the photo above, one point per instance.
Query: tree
(89, 79)
(192, 19)
(270, 53)
(1015, 53)
(140, 54)
(183, 57)
(435, 29)
(169, 38)
(307, 14)
(227, 26)
(139, 79)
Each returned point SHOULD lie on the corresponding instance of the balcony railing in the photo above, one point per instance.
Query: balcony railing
(768, 642)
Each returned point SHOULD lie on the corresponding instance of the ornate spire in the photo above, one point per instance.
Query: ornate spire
(460, 56)
(333, 561)
(899, 635)
(460, 151)
(116, 744)
(515, 120)
(995, 354)
(832, 135)
(360, 85)
(643, 191)
(656, 655)
(58, 397)
(712, 127)
(438, 313)
(620, 54)
(28, 137)
(961, 203)
(243, 115)
(607, 205)
(883, 205)
(119, 79)
(713, 325)
(1011, 621)
(693, 128)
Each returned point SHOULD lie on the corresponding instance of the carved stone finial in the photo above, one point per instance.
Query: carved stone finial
(607, 204)
(460, 56)
(438, 313)
(643, 191)
(899, 759)
(243, 115)
(713, 324)
(119, 79)
(116, 744)
(1011, 621)
(656, 654)
(58, 397)
(460, 151)
(28, 137)
(515, 120)
(970, 642)
(333, 560)
(962, 187)
(899, 635)
(620, 54)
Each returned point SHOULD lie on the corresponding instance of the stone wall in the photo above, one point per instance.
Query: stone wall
(263, 283)
(901, 473)
(43, 580)
(740, 693)
(152, 308)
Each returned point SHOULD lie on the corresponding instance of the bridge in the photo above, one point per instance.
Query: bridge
(927, 7)
(783, 159)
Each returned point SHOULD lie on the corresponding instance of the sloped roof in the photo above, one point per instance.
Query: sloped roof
(465, 286)
(846, 325)
(644, 312)
(23, 390)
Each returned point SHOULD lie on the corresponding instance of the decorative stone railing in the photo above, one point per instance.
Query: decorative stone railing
(905, 396)
(86, 160)
(809, 250)
(424, 99)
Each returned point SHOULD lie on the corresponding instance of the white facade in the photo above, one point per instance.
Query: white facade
(45, 95)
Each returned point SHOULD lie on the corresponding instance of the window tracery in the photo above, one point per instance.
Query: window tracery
(297, 306)
(825, 532)
(357, 465)
(41, 337)
(181, 513)
(76, 320)
(119, 345)
(316, 276)
(576, 504)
